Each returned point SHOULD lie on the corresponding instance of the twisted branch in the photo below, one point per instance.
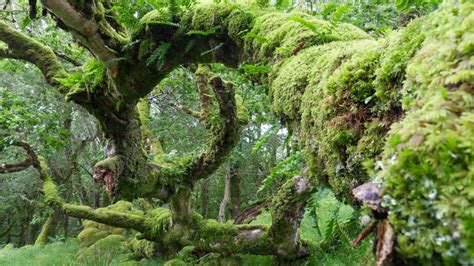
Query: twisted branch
(92, 28)
(25, 48)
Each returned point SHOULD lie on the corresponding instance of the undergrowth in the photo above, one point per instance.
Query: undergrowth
(328, 226)
(58, 254)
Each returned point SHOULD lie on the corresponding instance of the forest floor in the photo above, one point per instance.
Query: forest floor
(64, 254)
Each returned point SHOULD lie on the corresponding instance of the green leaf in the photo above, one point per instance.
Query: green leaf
(255, 69)
(25, 22)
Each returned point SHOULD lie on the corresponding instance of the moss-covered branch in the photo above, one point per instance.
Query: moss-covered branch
(88, 23)
(46, 230)
(205, 235)
(25, 48)
(151, 143)
(226, 127)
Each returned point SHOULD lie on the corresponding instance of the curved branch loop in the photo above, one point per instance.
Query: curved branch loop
(25, 48)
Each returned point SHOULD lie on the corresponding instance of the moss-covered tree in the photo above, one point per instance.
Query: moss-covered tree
(342, 92)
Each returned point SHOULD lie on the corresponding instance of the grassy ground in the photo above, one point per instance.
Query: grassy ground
(338, 253)
(56, 254)
(64, 254)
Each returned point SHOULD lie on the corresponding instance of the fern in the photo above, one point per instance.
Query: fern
(92, 75)
(324, 34)
(287, 168)
(158, 56)
(336, 222)
(312, 27)
(94, 72)
(264, 140)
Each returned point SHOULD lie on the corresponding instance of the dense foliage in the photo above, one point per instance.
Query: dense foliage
(236, 133)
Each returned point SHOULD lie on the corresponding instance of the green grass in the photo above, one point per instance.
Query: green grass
(345, 255)
(56, 254)
(64, 254)
(53, 254)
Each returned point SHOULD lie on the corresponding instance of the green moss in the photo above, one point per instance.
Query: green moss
(151, 143)
(111, 248)
(90, 235)
(427, 170)
(242, 111)
(46, 231)
(114, 164)
(94, 231)
(398, 49)
(277, 34)
(144, 248)
(51, 194)
(159, 221)
(25, 48)
(238, 22)
(156, 16)
(228, 239)
(208, 16)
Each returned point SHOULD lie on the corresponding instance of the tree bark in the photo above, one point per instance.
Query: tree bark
(226, 196)
(204, 197)
(47, 230)
(235, 193)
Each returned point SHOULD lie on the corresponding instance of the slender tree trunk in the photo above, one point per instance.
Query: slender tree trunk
(204, 197)
(21, 236)
(235, 194)
(66, 226)
(31, 234)
(47, 230)
(95, 196)
(226, 197)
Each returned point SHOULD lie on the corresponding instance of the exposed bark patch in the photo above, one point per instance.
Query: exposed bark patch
(105, 176)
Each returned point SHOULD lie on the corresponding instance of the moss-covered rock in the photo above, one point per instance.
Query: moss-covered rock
(112, 247)
(96, 236)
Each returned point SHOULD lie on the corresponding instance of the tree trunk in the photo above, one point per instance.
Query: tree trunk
(204, 197)
(66, 226)
(235, 194)
(21, 235)
(226, 197)
(47, 230)
(32, 232)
